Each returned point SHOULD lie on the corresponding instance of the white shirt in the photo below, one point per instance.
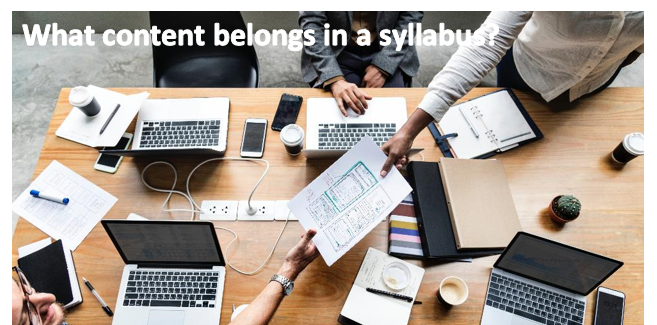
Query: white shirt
(553, 52)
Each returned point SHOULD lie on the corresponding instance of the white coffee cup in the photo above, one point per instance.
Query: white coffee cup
(292, 137)
(82, 98)
(453, 291)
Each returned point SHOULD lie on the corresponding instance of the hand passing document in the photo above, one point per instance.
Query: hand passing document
(349, 199)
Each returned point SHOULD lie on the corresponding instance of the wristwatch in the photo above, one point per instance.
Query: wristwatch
(287, 284)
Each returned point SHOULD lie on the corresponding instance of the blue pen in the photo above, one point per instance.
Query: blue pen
(50, 197)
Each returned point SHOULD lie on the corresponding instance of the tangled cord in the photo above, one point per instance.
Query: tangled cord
(194, 208)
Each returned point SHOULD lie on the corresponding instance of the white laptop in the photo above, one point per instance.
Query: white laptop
(180, 126)
(174, 273)
(539, 281)
(330, 134)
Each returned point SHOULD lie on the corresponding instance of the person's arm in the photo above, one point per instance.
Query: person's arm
(261, 310)
(465, 69)
(326, 65)
(389, 59)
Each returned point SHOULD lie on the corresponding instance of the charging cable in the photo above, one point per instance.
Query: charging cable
(194, 208)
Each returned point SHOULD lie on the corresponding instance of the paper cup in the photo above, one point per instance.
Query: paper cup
(453, 291)
(84, 100)
(292, 137)
(630, 148)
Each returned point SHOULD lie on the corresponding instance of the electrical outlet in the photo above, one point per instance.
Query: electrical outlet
(265, 211)
(282, 210)
(219, 210)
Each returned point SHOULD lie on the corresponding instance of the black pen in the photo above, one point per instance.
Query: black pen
(109, 119)
(390, 294)
(100, 300)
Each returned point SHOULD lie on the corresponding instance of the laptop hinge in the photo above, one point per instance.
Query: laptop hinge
(174, 266)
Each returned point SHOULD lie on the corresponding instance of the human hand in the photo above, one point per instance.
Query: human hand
(396, 149)
(347, 93)
(300, 256)
(373, 78)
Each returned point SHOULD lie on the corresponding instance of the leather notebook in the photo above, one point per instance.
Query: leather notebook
(480, 203)
(432, 213)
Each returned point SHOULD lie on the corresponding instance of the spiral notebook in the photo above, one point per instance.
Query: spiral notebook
(485, 126)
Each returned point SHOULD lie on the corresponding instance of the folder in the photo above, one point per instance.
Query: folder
(485, 126)
(480, 203)
(432, 213)
(51, 270)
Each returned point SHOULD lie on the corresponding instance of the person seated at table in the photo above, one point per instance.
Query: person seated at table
(261, 310)
(342, 69)
(560, 56)
(29, 307)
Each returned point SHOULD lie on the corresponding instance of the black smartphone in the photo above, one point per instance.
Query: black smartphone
(609, 307)
(287, 111)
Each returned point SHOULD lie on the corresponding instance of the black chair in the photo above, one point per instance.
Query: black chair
(203, 66)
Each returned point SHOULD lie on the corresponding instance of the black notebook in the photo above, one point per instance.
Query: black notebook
(51, 270)
(432, 212)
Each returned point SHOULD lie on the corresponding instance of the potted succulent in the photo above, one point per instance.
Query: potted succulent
(564, 208)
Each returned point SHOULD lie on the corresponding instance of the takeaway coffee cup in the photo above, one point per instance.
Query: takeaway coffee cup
(630, 148)
(292, 137)
(452, 291)
(83, 99)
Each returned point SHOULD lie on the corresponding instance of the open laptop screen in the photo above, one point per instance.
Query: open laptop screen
(556, 264)
(165, 242)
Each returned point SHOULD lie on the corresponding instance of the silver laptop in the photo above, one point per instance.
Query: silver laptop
(329, 134)
(539, 281)
(174, 272)
(180, 126)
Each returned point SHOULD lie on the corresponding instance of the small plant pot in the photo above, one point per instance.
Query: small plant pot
(553, 212)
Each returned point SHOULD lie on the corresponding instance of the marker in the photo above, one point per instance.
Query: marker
(50, 197)
(100, 300)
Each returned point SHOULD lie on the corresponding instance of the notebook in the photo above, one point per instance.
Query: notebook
(485, 126)
(480, 203)
(51, 270)
(432, 213)
(363, 307)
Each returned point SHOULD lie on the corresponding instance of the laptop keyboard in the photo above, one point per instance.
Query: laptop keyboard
(538, 304)
(346, 135)
(171, 289)
(180, 134)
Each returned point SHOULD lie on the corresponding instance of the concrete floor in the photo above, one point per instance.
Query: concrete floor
(38, 74)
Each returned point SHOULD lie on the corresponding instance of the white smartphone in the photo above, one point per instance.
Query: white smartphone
(253, 139)
(110, 163)
(609, 307)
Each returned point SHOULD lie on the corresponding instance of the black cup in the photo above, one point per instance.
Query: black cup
(85, 101)
(630, 148)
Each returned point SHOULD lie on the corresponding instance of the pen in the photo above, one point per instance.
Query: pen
(469, 123)
(109, 119)
(390, 294)
(49, 197)
(100, 300)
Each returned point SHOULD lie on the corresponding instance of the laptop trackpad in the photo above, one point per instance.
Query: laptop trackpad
(166, 317)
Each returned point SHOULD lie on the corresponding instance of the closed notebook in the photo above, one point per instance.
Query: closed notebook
(51, 270)
(480, 203)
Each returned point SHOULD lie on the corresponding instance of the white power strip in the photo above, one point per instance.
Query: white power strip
(218, 210)
(282, 211)
(233, 210)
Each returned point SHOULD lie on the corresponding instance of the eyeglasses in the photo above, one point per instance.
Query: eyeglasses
(26, 287)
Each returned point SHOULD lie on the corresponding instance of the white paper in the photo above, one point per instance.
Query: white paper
(33, 247)
(71, 222)
(86, 130)
(349, 199)
(370, 308)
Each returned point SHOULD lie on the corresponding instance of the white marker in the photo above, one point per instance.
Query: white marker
(50, 197)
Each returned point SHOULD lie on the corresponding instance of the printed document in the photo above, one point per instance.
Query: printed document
(349, 199)
(71, 222)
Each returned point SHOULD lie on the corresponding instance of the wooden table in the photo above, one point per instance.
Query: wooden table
(573, 158)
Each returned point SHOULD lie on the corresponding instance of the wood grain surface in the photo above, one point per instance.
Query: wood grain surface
(573, 158)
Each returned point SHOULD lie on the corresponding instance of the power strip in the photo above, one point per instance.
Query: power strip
(219, 210)
(282, 211)
(265, 211)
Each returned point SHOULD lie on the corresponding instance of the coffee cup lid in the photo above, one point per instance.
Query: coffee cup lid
(292, 135)
(80, 96)
(633, 143)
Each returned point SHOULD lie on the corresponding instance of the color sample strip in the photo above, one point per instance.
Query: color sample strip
(404, 240)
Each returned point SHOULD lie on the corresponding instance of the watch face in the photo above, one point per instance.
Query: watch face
(289, 288)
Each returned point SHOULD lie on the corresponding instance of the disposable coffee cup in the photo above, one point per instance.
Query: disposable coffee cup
(630, 148)
(83, 99)
(453, 291)
(292, 137)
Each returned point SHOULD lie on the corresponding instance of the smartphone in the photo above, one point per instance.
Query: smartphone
(287, 111)
(110, 163)
(253, 139)
(609, 307)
